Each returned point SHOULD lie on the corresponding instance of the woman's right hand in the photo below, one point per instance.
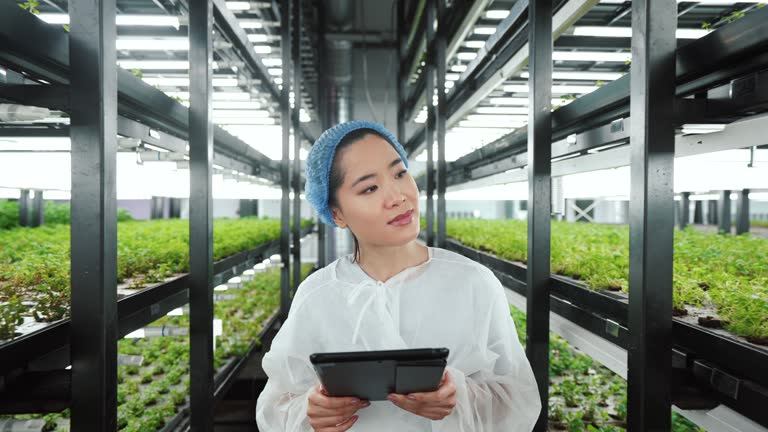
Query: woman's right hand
(332, 414)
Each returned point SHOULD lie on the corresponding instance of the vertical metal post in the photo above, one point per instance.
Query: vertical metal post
(201, 214)
(24, 208)
(685, 214)
(322, 229)
(285, 121)
(156, 208)
(429, 70)
(742, 213)
(93, 131)
(297, 136)
(401, 70)
(539, 197)
(712, 212)
(38, 209)
(652, 213)
(698, 212)
(174, 212)
(724, 212)
(440, 119)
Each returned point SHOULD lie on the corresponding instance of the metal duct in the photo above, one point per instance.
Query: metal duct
(340, 17)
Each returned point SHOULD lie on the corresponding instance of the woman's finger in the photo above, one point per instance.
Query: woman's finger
(315, 411)
(342, 427)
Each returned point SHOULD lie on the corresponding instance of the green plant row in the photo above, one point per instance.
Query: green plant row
(54, 214)
(759, 223)
(151, 395)
(585, 395)
(726, 273)
(34, 262)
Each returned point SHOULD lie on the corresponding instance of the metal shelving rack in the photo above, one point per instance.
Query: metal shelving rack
(717, 78)
(76, 73)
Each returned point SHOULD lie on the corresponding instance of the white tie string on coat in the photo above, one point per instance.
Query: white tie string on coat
(374, 293)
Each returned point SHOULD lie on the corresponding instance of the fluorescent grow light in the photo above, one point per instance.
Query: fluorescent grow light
(251, 24)
(244, 121)
(240, 113)
(561, 89)
(238, 5)
(579, 75)
(121, 20)
(474, 44)
(257, 37)
(509, 118)
(149, 44)
(490, 124)
(517, 101)
(496, 14)
(270, 61)
(502, 110)
(591, 56)
(626, 32)
(154, 64)
(485, 30)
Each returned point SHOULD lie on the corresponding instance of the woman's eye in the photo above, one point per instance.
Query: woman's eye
(372, 188)
(401, 173)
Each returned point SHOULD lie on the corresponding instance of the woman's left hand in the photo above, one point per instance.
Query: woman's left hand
(434, 405)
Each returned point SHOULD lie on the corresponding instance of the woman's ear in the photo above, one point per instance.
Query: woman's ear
(338, 218)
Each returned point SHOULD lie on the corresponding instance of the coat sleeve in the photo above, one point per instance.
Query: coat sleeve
(282, 405)
(503, 395)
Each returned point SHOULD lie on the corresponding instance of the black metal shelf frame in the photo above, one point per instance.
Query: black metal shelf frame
(602, 117)
(20, 33)
(77, 72)
(720, 77)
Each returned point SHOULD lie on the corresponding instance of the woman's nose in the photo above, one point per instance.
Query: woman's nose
(394, 195)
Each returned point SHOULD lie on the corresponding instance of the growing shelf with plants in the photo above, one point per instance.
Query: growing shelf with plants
(706, 293)
(154, 377)
(34, 270)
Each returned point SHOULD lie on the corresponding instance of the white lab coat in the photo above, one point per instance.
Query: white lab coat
(447, 301)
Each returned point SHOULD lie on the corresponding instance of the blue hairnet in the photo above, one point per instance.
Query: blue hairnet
(320, 158)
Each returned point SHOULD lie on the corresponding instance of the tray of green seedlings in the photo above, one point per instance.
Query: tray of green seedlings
(583, 394)
(153, 372)
(54, 213)
(719, 281)
(35, 273)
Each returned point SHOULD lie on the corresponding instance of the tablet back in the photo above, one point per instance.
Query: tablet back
(372, 375)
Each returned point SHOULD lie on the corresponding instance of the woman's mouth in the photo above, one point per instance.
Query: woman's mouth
(403, 219)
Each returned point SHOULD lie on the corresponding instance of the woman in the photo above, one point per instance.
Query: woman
(393, 293)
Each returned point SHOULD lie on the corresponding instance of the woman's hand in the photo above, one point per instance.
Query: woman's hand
(332, 414)
(434, 405)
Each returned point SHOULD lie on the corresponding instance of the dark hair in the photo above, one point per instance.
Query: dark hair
(336, 176)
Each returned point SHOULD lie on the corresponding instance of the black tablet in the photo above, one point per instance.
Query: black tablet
(372, 375)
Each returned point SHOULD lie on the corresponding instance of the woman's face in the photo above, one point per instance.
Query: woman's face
(376, 189)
